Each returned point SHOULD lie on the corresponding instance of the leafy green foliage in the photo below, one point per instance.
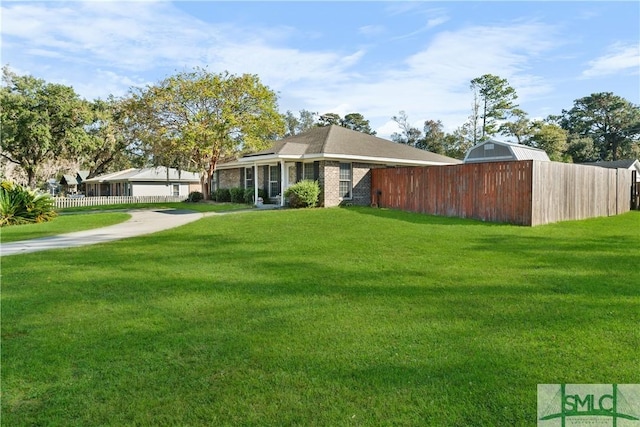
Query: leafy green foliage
(222, 195)
(610, 121)
(494, 100)
(303, 194)
(20, 205)
(195, 196)
(109, 145)
(248, 195)
(193, 119)
(237, 195)
(40, 121)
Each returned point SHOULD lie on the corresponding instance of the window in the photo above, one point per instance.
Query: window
(248, 178)
(307, 171)
(345, 181)
(274, 183)
(175, 189)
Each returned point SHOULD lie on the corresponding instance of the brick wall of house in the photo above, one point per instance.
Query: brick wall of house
(361, 181)
(329, 181)
(229, 178)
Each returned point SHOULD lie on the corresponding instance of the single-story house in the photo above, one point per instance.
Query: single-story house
(69, 184)
(158, 181)
(338, 158)
(73, 184)
(631, 164)
(498, 151)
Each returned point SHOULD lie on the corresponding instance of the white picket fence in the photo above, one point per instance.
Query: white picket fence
(75, 202)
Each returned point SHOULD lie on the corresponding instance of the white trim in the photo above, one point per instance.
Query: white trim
(255, 183)
(282, 178)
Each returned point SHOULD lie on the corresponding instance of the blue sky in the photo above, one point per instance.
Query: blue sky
(375, 58)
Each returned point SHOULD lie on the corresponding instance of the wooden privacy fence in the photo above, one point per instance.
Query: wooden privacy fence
(526, 192)
(74, 202)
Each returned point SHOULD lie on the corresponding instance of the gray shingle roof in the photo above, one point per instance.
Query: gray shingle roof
(147, 174)
(340, 142)
(614, 164)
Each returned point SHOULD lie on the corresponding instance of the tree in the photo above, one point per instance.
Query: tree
(40, 121)
(612, 123)
(193, 119)
(357, 122)
(329, 119)
(108, 146)
(493, 101)
(580, 149)
(434, 137)
(458, 143)
(520, 128)
(551, 138)
(353, 121)
(295, 125)
(409, 135)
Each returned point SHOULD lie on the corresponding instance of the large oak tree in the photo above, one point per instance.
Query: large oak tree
(40, 122)
(193, 119)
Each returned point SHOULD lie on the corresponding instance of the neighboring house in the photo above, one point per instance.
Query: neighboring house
(499, 151)
(73, 184)
(158, 181)
(631, 164)
(338, 158)
(69, 184)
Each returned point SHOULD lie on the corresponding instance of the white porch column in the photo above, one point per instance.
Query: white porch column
(282, 172)
(255, 183)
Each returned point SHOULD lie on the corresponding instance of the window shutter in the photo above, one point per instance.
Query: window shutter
(316, 170)
(241, 177)
(265, 179)
(298, 171)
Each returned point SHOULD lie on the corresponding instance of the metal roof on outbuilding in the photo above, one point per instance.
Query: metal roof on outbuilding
(499, 151)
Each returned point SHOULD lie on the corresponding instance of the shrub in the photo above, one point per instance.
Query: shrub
(303, 194)
(20, 205)
(237, 195)
(221, 195)
(195, 196)
(248, 195)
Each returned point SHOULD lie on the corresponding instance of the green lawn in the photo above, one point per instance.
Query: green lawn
(198, 207)
(324, 317)
(60, 225)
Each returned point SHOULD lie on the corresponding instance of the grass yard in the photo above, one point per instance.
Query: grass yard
(198, 207)
(60, 225)
(324, 317)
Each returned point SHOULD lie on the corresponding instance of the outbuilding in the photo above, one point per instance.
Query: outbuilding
(499, 151)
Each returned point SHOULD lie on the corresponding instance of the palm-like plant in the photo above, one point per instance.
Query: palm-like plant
(20, 205)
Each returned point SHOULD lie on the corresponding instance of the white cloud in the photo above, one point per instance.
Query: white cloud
(620, 59)
(104, 48)
(434, 83)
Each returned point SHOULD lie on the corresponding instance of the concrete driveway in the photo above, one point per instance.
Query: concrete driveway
(141, 222)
